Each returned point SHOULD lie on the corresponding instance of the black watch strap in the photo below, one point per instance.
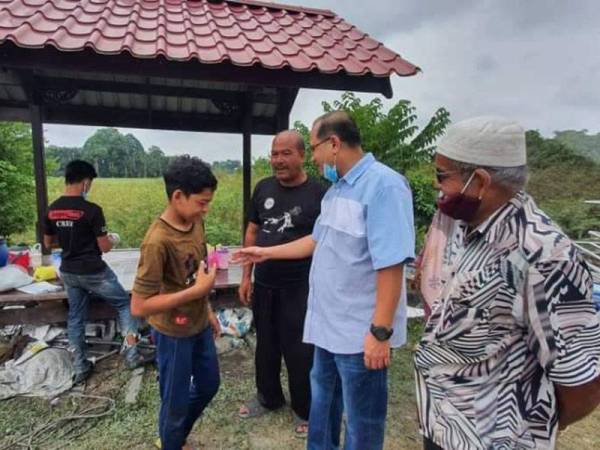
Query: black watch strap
(381, 333)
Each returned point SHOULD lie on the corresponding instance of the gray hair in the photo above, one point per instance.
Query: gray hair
(511, 178)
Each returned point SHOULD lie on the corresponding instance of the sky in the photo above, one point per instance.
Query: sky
(536, 61)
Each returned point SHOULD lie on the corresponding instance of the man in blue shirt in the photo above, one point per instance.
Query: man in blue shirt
(357, 303)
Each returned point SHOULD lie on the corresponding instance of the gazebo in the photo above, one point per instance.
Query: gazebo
(229, 66)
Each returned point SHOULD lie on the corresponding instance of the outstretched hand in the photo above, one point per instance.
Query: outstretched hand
(250, 255)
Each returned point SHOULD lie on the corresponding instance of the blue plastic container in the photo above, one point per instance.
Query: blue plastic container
(3, 253)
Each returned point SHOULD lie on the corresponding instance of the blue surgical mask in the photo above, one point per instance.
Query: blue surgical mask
(330, 172)
(85, 192)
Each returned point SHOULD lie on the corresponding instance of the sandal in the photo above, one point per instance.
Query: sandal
(254, 409)
(300, 427)
(158, 444)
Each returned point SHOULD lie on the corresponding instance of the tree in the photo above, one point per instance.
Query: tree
(581, 142)
(62, 156)
(16, 178)
(395, 139)
(156, 162)
(544, 153)
(228, 166)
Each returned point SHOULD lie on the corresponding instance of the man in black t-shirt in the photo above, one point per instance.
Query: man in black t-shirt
(78, 227)
(284, 208)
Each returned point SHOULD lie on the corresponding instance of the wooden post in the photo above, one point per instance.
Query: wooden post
(246, 158)
(39, 165)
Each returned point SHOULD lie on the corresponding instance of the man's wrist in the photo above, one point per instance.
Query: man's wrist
(381, 333)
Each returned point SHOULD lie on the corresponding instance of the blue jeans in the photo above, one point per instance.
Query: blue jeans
(80, 288)
(188, 372)
(342, 382)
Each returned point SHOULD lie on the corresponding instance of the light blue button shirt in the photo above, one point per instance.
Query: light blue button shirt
(366, 224)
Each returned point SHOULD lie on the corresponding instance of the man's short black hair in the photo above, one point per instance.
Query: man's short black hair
(190, 175)
(78, 170)
(341, 124)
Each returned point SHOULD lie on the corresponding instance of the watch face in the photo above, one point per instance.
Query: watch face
(381, 333)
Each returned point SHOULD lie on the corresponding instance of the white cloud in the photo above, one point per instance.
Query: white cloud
(535, 61)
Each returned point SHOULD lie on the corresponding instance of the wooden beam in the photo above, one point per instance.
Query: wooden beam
(145, 87)
(55, 311)
(162, 120)
(89, 61)
(39, 168)
(14, 114)
(247, 159)
(141, 118)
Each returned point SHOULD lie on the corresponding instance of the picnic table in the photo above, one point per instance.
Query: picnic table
(19, 308)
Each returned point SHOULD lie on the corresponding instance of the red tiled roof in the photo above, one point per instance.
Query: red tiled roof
(246, 33)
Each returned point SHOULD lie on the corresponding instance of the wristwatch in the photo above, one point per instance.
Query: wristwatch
(381, 333)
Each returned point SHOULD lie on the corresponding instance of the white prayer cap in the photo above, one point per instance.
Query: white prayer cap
(485, 141)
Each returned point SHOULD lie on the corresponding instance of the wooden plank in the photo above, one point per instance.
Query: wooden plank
(55, 312)
(124, 263)
(90, 62)
(133, 386)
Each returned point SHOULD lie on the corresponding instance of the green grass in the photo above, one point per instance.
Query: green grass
(131, 204)
(134, 427)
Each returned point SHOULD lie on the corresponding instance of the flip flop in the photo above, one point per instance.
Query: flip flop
(300, 427)
(255, 409)
(158, 444)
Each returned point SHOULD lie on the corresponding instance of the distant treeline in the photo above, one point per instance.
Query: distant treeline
(117, 155)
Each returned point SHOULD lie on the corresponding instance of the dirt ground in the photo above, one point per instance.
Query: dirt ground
(134, 426)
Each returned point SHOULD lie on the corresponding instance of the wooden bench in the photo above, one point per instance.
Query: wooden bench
(20, 308)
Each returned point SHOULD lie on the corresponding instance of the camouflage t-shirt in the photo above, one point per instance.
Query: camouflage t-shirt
(169, 260)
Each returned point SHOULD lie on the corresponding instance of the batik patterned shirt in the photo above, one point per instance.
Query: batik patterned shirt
(515, 318)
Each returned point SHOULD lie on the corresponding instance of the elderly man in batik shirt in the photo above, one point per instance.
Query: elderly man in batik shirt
(511, 351)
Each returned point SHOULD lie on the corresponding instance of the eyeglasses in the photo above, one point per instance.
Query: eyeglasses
(441, 176)
(314, 147)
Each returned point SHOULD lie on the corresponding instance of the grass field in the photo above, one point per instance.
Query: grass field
(133, 427)
(131, 204)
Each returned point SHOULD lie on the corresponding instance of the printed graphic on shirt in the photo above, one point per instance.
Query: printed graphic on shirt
(281, 223)
(65, 214)
(269, 203)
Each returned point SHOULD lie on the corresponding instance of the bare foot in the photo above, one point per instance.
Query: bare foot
(301, 430)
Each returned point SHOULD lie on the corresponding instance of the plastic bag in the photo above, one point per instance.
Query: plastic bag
(13, 277)
(235, 322)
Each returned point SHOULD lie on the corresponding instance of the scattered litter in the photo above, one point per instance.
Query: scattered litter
(13, 277)
(105, 330)
(250, 340)
(227, 343)
(45, 273)
(46, 333)
(42, 287)
(235, 322)
(41, 371)
(10, 330)
(96, 359)
(414, 313)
